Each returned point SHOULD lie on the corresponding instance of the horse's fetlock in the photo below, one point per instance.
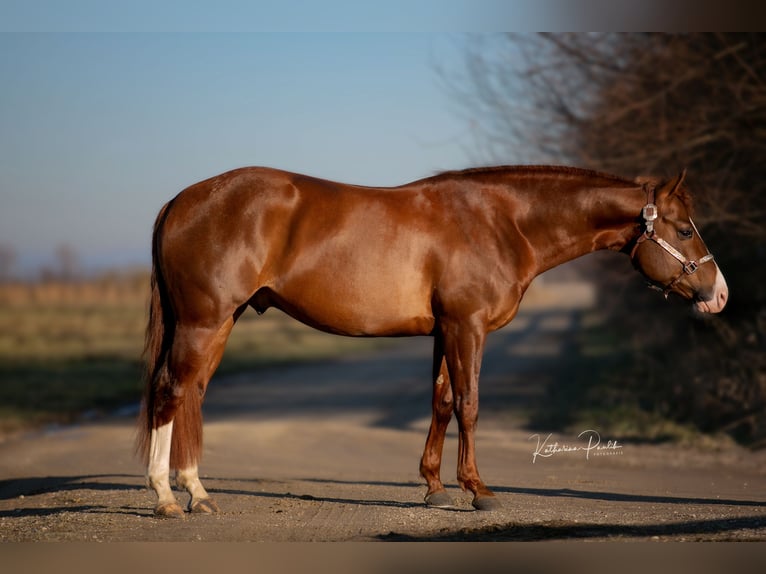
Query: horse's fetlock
(157, 482)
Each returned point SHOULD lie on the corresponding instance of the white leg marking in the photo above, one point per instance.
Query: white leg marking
(158, 472)
(188, 479)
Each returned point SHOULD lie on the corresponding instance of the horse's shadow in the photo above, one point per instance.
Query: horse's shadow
(19, 488)
(15, 487)
(530, 532)
(501, 526)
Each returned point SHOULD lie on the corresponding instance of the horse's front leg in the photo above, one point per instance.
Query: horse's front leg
(464, 346)
(441, 406)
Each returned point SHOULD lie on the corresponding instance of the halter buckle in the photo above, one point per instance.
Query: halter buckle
(690, 267)
(649, 213)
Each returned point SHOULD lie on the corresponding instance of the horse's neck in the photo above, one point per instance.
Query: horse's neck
(579, 219)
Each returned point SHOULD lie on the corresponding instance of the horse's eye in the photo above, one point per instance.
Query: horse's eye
(685, 233)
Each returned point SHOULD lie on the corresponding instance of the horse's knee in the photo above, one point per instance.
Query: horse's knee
(167, 400)
(466, 409)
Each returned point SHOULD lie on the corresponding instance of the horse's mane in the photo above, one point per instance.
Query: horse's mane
(682, 194)
(532, 169)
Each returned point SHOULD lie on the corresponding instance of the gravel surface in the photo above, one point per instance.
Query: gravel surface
(329, 452)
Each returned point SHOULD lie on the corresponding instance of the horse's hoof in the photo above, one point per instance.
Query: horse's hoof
(486, 502)
(203, 506)
(169, 510)
(440, 499)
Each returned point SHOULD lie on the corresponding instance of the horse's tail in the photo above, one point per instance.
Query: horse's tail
(157, 342)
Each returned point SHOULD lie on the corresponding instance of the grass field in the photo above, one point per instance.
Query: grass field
(74, 350)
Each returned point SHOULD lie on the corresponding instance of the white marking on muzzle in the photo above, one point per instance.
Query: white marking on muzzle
(720, 295)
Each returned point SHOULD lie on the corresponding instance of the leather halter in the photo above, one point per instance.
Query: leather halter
(688, 266)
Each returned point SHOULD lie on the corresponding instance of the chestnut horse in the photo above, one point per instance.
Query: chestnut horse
(449, 256)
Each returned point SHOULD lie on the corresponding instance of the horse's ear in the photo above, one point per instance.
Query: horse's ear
(676, 184)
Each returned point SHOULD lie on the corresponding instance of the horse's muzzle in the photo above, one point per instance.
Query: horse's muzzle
(720, 296)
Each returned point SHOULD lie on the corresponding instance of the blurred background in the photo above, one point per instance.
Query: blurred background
(640, 104)
(98, 131)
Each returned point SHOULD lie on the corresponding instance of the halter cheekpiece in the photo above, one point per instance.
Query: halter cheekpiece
(649, 213)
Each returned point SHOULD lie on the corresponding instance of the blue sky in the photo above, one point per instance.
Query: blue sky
(294, 15)
(97, 131)
(107, 109)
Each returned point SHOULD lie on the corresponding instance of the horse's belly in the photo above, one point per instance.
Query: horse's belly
(359, 303)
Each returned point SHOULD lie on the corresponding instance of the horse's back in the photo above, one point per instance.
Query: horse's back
(342, 258)
(356, 260)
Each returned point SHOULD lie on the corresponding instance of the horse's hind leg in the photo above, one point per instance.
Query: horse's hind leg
(201, 502)
(158, 471)
(176, 442)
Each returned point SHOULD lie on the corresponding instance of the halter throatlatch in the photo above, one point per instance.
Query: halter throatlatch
(688, 266)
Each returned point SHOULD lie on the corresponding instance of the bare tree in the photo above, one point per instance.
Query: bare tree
(654, 104)
(67, 263)
(7, 262)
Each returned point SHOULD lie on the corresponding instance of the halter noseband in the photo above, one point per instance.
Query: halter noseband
(688, 266)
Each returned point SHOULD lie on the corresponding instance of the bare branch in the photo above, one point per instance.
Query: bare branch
(652, 104)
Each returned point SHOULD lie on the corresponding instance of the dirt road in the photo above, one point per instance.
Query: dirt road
(329, 452)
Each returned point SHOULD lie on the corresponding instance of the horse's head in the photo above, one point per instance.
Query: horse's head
(671, 253)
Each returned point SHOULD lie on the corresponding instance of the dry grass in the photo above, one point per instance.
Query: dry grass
(73, 348)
